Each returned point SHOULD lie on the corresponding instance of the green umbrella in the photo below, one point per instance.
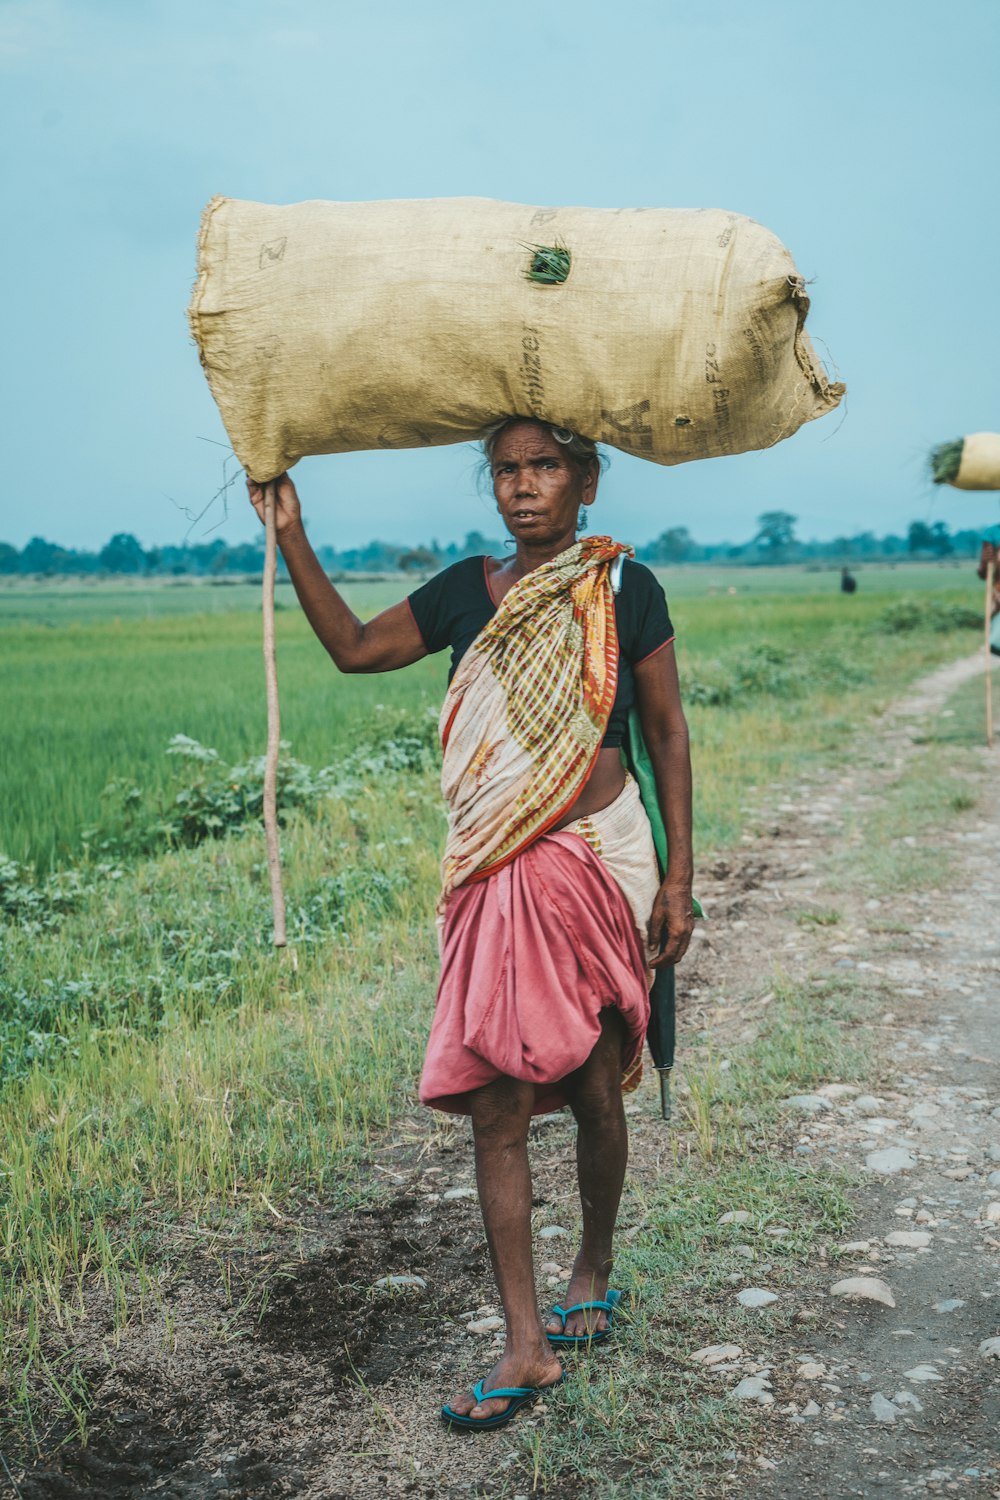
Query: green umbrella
(662, 1033)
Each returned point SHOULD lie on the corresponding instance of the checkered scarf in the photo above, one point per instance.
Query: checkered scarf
(527, 710)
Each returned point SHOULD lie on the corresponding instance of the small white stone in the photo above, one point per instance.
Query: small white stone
(550, 1268)
(808, 1104)
(755, 1296)
(837, 1090)
(950, 1304)
(990, 1348)
(811, 1409)
(856, 1247)
(864, 1289)
(810, 1371)
(736, 1216)
(553, 1232)
(922, 1373)
(867, 1104)
(909, 1239)
(754, 1388)
(714, 1354)
(484, 1325)
(890, 1161)
(454, 1193)
(393, 1283)
(907, 1398)
(883, 1409)
(992, 1214)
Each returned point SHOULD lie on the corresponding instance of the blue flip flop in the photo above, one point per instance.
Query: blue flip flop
(517, 1395)
(577, 1340)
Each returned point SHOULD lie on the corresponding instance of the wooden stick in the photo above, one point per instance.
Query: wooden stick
(990, 575)
(273, 722)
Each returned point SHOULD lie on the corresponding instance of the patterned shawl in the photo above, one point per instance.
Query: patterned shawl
(527, 710)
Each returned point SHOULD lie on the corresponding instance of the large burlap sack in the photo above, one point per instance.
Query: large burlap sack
(327, 327)
(979, 468)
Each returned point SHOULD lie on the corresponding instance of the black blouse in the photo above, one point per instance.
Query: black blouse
(451, 609)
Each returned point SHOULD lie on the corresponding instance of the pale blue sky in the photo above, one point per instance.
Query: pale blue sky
(865, 134)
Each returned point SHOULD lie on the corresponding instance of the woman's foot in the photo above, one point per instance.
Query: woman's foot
(586, 1285)
(540, 1368)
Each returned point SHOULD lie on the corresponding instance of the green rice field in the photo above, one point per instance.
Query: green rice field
(98, 678)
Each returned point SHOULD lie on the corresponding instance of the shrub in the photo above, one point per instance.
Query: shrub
(907, 614)
(215, 798)
(769, 671)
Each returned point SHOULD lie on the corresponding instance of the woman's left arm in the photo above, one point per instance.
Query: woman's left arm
(665, 731)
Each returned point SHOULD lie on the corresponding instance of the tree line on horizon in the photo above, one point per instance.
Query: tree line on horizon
(774, 541)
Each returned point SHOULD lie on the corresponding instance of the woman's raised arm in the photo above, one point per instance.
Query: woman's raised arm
(388, 641)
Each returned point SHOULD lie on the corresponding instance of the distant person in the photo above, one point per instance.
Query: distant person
(848, 582)
(990, 553)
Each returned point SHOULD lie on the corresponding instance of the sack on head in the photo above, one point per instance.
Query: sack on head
(674, 334)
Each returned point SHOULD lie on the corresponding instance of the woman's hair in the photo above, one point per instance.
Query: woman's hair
(581, 450)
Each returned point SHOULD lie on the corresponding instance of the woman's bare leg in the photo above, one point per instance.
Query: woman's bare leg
(501, 1113)
(595, 1094)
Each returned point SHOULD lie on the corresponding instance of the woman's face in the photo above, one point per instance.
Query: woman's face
(539, 489)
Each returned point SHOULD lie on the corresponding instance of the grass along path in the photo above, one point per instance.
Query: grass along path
(260, 1353)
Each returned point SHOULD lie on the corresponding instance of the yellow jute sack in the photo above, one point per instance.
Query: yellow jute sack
(979, 468)
(330, 327)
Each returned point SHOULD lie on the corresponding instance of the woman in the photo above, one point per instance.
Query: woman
(552, 912)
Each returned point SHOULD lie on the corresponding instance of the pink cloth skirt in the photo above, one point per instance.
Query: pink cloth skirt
(529, 959)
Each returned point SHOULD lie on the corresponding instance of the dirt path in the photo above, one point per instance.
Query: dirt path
(904, 1400)
(308, 1379)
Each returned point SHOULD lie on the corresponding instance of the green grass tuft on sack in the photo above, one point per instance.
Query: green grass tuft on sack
(945, 461)
(549, 264)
